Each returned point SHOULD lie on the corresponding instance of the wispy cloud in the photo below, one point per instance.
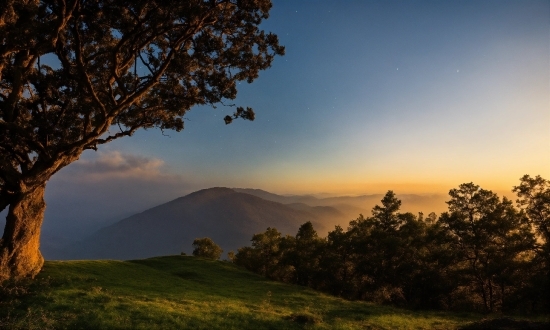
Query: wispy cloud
(114, 164)
(105, 187)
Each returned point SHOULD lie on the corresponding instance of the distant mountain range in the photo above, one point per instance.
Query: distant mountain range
(352, 206)
(228, 216)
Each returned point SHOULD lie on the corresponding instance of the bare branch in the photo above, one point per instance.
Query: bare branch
(82, 68)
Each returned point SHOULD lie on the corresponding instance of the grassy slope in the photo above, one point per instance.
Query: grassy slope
(190, 293)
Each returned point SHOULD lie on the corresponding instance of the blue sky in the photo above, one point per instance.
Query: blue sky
(370, 93)
(414, 96)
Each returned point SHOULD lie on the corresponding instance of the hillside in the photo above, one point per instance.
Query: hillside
(189, 293)
(362, 202)
(351, 206)
(228, 217)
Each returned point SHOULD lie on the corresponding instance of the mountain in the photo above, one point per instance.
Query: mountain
(229, 217)
(351, 206)
(312, 200)
(348, 207)
(266, 195)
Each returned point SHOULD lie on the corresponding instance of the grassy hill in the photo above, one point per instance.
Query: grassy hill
(179, 292)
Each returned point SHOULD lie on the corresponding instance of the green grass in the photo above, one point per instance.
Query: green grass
(179, 292)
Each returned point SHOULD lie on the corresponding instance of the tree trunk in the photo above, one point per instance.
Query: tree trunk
(19, 254)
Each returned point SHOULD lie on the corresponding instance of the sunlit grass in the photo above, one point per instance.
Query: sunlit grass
(190, 293)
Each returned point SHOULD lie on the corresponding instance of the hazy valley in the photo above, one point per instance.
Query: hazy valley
(229, 216)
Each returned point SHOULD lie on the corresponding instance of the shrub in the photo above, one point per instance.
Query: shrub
(206, 248)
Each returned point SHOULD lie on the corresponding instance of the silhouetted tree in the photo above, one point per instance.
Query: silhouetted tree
(303, 254)
(387, 216)
(206, 248)
(192, 52)
(267, 246)
(381, 251)
(264, 255)
(336, 265)
(482, 254)
(248, 258)
(534, 200)
(427, 277)
(490, 236)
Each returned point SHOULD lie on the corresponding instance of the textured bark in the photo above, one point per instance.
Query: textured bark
(19, 248)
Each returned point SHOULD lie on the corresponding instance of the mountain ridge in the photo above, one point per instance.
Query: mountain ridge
(230, 218)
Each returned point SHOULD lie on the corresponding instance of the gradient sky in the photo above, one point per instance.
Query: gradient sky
(372, 95)
(414, 96)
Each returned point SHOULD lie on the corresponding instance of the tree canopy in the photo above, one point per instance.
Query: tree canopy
(480, 255)
(188, 53)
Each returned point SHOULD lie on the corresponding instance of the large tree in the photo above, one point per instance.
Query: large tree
(491, 239)
(534, 200)
(114, 67)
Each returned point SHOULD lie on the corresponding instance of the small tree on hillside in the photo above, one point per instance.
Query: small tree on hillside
(206, 248)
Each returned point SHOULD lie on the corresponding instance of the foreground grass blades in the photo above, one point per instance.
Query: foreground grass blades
(179, 292)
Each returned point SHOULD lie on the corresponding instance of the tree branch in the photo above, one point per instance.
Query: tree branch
(83, 72)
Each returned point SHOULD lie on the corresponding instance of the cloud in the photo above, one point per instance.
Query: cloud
(105, 187)
(114, 164)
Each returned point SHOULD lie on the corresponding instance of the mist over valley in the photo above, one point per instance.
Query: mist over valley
(229, 216)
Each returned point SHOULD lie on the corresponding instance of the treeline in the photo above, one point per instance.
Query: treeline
(483, 254)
